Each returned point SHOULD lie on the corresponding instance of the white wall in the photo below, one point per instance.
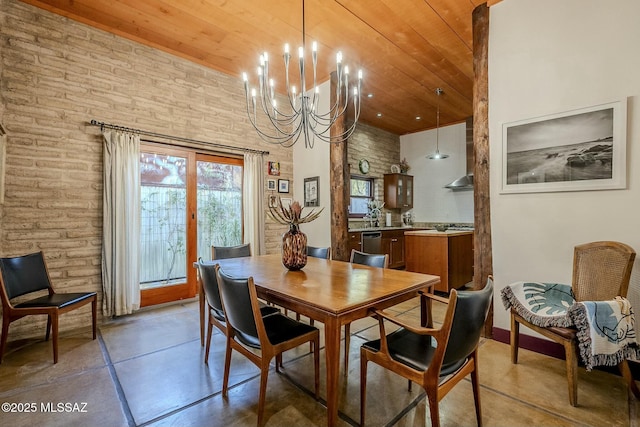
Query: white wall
(310, 162)
(545, 57)
(432, 202)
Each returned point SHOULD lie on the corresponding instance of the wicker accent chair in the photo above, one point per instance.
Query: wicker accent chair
(601, 271)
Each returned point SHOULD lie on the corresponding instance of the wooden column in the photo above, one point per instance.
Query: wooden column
(483, 258)
(339, 186)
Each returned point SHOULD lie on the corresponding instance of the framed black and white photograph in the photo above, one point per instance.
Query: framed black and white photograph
(271, 184)
(286, 202)
(283, 186)
(312, 191)
(576, 150)
(273, 201)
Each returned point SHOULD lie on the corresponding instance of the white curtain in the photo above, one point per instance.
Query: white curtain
(121, 223)
(253, 198)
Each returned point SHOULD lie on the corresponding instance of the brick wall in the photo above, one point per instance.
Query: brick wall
(57, 75)
(381, 149)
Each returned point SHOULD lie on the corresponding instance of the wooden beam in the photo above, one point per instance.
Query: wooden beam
(339, 183)
(483, 258)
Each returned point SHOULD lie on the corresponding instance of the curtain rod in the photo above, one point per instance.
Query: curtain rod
(175, 138)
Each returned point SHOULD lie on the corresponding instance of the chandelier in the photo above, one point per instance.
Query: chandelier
(299, 116)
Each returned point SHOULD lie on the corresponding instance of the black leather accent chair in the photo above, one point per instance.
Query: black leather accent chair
(247, 329)
(28, 274)
(437, 359)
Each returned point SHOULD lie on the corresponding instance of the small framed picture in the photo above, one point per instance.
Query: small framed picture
(273, 201)
(312, 191)
(271, 184)
(283, 186)
(274, 168)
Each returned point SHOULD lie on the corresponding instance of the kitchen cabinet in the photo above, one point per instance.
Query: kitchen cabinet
(398, 191)
(355, 241)
(447, 254)
(393, 244)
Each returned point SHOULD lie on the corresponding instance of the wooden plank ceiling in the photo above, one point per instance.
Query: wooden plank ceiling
(406, 48)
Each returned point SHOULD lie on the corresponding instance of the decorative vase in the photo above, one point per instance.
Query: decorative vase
(294, 248)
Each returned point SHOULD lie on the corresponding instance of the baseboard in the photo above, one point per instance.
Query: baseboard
(550, 348)
(539, 345)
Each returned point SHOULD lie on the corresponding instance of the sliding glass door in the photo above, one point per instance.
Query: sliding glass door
(189, 201)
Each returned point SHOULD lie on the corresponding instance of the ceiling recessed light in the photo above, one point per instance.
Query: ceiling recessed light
(418, 118)
(370, 95)
(379, 114)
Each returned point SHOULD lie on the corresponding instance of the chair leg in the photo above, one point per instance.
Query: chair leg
(208, 339)
(476, 391)
(572, 371)
(347, 341)
(54, 327)
(316, 367)
(3, 339)
(434, 409)
(264, 375)
(515, 338)
(628, 377)
(227, 366)
(94, 316)
(363, 386)
(48, 333)
(278, 362)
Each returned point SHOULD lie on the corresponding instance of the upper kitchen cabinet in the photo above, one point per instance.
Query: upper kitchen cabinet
(398, 191)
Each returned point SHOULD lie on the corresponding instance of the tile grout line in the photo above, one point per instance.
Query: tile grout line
(116, 381)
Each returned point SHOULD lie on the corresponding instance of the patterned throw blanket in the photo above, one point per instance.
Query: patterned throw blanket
(606, 333)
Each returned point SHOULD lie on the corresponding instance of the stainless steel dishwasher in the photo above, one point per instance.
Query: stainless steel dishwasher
(372, 242)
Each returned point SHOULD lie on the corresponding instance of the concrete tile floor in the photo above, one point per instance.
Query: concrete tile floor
(147, 370)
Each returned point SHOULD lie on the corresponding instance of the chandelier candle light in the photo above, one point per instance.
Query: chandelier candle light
(301, 115)
(294, 241)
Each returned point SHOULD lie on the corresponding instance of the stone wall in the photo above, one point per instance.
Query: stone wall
(381, 149)
(57, 75)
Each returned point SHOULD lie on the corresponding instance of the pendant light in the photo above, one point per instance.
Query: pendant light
(437, 155)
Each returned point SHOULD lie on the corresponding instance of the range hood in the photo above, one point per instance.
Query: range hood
(466, 182)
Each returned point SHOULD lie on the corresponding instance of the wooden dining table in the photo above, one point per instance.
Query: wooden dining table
(332, 292)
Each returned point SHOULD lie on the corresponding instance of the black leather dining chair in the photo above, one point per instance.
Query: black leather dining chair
(28, 274)
(215, 315)
(220, 252)
(223, 252)
(318, 252)
(437, 359)
(248, 331)
(372, 260)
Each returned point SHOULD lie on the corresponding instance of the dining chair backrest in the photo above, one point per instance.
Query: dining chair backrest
(601, 270)
(238, 308)
(468, 323)
(223, 252)
(210, 285)
(372, 260)
(316, 252)
(24, 274)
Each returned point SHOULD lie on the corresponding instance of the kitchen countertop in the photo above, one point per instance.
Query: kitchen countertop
(432, 233)
(359, 229)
